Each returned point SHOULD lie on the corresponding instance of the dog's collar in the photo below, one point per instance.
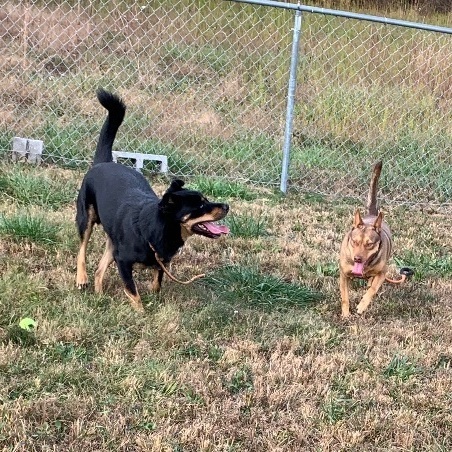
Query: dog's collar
(375, 255)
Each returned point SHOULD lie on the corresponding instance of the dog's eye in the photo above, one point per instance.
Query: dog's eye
(370, 244)
(201, 206)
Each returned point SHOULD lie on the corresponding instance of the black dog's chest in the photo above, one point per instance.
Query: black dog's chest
(140, 253)
(146, 257)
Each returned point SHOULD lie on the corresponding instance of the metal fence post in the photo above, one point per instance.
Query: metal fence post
(290, 101)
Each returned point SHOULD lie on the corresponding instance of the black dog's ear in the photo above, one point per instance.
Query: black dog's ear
(176, 185)
(167, 202)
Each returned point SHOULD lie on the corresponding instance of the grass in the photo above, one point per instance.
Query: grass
(29, 186)
(26, 227)
(247, 287)
(254, 356)
(248, 225)
(219, 188)
(438, 263)
(401, 368)
(244, 359)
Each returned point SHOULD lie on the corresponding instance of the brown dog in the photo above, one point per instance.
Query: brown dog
(365, 250)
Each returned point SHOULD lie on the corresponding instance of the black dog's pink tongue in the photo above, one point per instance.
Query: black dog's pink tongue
(358, 269)
(216, 228)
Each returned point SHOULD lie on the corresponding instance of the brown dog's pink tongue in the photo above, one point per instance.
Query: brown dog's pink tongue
(216, 228)
(358, 268)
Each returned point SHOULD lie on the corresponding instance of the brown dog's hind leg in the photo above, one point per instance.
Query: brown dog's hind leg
(377, 281)
(106, 260)
(345, 301)
(82, 276)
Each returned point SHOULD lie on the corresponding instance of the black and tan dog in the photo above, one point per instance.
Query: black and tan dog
(365, 250)
(141, 228)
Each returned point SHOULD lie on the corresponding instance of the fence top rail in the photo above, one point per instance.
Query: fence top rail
(347, 14)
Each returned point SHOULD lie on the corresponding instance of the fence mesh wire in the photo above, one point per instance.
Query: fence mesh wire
(205, 83)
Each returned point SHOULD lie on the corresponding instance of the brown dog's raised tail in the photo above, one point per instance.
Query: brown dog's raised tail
(372, 198)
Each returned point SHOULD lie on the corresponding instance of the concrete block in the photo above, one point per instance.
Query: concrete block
(20, 146)
(140, 159)
(27, 150)
(35, 148)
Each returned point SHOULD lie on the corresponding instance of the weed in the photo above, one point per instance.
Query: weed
(241, 380)
(223, 189)
(247, 286)
(20, 336)
(32, 187)
(327, 269)
(426, 264)
(401, 368)
(338, 407)
(25, 226)
(247, 225)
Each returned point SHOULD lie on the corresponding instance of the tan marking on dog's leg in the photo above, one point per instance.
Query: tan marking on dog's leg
(345, 301)
(82, 276)
(154, 285)
(106, 260)
(135, 301)
(377, 281)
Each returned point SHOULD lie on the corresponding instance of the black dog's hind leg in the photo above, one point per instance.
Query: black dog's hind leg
(156, 283)
(104, 263)
(85, 221)
(125, 271)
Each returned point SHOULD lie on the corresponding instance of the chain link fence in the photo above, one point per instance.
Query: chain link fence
(206, 81)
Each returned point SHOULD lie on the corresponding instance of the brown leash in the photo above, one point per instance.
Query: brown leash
(167, 272)
(406, 272)
(396, 281)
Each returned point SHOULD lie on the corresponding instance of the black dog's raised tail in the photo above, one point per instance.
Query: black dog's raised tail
(116, 111)
(372, 198)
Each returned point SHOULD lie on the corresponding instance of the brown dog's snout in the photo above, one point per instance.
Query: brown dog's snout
(358, 259)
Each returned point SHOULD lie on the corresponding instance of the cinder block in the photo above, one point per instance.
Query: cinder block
(27, 150)
(20, 146)
(140, 158)
(35, 148)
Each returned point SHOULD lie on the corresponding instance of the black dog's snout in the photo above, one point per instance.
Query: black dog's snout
(225, 207)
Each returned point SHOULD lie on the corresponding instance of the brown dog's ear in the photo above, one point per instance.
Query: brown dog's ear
(378, 221)
(357, 220)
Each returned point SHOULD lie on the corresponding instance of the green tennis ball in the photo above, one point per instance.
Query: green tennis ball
(27, 324)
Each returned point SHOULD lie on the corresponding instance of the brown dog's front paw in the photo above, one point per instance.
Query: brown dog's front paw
(345, 314)
(361, 308)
